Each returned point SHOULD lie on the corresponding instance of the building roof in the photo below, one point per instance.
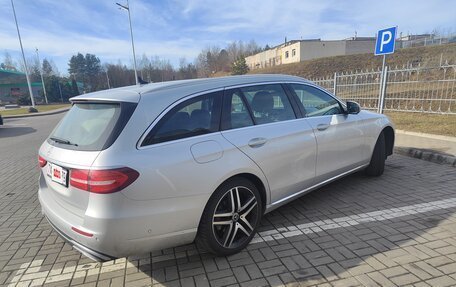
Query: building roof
(17, 85)
(179, 89)
(9, 76)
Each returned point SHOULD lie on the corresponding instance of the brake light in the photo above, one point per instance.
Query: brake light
(103, 181)
(41, 161)
(79, 178)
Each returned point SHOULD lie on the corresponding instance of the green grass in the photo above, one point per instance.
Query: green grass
(424, 123)
(41, 108)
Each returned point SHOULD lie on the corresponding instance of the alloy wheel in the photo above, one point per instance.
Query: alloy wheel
(235, 217)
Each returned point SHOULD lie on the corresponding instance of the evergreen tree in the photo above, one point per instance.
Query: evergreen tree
(47, 68)
(77, 67)
(239, 67)
(34, 68)
(74, 88)
(92, 68)
(85, 69)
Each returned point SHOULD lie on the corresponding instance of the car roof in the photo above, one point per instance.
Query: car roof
(134, 93)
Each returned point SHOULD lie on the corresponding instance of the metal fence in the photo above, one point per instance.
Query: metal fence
(426, 40)
(408, 89)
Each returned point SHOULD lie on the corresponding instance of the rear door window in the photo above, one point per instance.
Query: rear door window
(235, 111)
(196, 116)
(90, 126)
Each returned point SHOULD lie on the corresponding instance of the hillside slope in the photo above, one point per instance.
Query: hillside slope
(328, 66)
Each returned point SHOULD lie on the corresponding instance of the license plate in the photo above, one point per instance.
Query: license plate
(57, 174)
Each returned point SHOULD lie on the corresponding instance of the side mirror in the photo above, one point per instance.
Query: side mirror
(353, 108)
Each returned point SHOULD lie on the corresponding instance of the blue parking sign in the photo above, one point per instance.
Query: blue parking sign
(386, 39)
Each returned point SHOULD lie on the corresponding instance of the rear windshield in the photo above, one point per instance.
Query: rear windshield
(87, 126)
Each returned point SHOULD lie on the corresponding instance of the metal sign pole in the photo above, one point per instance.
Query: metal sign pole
(381, 96)
(385, 43)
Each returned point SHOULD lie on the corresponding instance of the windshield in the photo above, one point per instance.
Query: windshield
(87, 126)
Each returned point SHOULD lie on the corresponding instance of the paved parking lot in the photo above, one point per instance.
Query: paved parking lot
(399, 229)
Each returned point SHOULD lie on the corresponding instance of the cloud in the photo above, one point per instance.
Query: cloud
(174, 29)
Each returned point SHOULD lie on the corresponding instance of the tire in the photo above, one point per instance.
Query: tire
(226, 227)
(377, 162)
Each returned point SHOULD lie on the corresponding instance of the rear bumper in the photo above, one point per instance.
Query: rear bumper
(122, 227)
(92, 254)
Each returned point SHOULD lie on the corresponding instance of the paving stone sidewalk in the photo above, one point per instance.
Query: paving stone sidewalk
(395, 230)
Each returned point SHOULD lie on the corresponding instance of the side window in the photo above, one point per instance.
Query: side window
(315, 101)
(235, 114)
(196, 116)
(268, 103)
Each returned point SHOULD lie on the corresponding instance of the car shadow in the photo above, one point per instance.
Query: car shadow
(14, 131)
(321, 256)
(312, 259)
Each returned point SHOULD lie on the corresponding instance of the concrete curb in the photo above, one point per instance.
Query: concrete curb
(58, 111)
(426, 154)
(429, 136)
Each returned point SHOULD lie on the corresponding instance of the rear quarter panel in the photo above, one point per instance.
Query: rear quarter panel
(170, 177)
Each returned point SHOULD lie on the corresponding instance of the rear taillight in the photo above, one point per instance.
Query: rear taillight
(79, 178)
(41, 161)
(103, 181)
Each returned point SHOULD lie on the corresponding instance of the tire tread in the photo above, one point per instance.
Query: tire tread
(377, 162)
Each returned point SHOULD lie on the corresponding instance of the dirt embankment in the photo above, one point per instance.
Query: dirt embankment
(324, 67)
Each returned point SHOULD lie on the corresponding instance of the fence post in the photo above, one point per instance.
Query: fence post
(335, 83)
(384, 81)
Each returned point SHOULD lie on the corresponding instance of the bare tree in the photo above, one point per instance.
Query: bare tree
(8, 62)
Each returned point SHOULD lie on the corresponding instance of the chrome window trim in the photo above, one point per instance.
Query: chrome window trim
(303, 82)
(188, 97)
(178, 140)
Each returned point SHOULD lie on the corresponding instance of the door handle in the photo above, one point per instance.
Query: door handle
(322, 127)
(257, 142)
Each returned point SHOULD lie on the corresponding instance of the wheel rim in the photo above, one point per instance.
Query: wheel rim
(235, 217)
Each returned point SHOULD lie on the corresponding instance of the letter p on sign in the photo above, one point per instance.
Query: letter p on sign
(386, 39)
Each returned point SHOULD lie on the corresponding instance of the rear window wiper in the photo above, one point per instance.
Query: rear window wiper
(62, 141)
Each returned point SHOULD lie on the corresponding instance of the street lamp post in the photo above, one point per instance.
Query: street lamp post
(41, 74)
(23, 57)
(107, 79)
(60, 89)
(127, 7)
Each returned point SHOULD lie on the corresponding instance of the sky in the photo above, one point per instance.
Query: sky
(176, 29)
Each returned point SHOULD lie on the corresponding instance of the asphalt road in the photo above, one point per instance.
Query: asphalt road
(399, 229)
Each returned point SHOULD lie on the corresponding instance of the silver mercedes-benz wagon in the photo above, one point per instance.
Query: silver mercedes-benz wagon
(142, 168)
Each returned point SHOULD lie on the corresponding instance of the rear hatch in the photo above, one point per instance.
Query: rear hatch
(86, 130)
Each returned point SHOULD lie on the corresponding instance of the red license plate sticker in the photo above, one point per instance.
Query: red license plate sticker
(57, 174)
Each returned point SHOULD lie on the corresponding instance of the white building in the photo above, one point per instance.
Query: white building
(302, 50)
